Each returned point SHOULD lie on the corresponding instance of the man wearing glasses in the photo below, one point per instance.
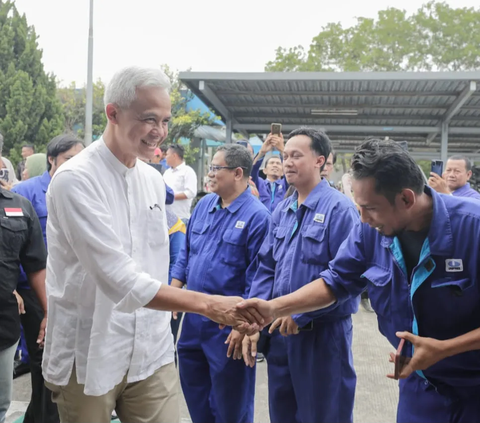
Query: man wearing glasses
(224, 236)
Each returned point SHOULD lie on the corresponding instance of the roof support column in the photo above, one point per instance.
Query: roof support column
(444, 149)
(229, 131)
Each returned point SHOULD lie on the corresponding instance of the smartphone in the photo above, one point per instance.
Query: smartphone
(437, 167)
(276, 128)
(400, 358)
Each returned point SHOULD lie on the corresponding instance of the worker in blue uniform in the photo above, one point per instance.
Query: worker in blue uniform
(418, 253)
(311, 377)
(219, 257)
(273, 188)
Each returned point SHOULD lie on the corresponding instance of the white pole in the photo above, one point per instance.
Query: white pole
(89, 101)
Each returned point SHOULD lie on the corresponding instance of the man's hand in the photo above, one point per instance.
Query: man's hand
(41, 333)
(223, 310)
(21, 305)
(234, 342)
(287, 326)
(5, 185)
(427, 352)
(249, 349)
(272, 141)
(438, 183)
(261, 309)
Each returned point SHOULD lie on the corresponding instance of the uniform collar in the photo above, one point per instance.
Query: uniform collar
(5, 193)
(236, 204)
(463, 189)
(110, 158)
(313, 198)
(440, 235)
(45, 180)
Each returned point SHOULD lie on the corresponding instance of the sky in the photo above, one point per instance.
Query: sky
(203, 35)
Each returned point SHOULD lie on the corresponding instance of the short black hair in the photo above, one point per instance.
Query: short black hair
(468, 162)
(32, 147)
(274, 156)
(237, 156)
(60, 144)
(177, 148)
(320, 142)
(334, 156)
(164, 148)
(392, 168)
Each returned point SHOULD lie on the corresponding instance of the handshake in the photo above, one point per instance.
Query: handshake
(245, 316)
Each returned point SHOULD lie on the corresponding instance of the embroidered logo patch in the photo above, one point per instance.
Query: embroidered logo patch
(240, 224)
(319, 218)
(454, 265)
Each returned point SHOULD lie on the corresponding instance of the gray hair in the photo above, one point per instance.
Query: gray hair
(1, 142)
(122, 88)
(237, 156)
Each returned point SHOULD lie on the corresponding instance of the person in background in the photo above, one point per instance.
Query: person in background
(329, 167)
(155, 162)
(35, 165)
(219, 257)
(7, 172)
(272, 189)
(21, 243)
(60, 149)
(163, 159)
(251, 184)
(27, 151)
(458, 172)
(182, 179)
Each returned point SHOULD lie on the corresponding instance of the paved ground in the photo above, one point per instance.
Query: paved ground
(376, 397)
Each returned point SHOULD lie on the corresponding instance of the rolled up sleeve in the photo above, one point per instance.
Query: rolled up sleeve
(82, 216)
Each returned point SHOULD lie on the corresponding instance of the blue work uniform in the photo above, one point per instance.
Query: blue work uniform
(219, 257)
(440, 299)
(466, 191)
(311, 377)
(271, 193)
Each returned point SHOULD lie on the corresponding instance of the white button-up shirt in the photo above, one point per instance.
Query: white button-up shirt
(182, 179)
(108, 256)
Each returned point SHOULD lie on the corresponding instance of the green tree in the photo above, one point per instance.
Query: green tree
(436, 37)
(29, 109)
(184, 122)
(73, 101)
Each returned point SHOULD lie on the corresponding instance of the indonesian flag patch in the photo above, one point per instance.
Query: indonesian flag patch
(13, 212)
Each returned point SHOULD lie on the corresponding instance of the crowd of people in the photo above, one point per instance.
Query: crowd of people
(273, 254)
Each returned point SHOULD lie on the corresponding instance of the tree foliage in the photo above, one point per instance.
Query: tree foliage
(73, 101)
(435, 38)
(29, 109)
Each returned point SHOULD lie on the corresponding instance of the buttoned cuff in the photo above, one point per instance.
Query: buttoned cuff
(142, 293)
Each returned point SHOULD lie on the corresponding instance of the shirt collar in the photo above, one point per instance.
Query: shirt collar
(236, 204)
(314, 197)
(45, 180)
(463, 189)
(117, 165)
(179, 167)
(440, 240)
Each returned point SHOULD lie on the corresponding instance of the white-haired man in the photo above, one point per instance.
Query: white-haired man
(107, 273)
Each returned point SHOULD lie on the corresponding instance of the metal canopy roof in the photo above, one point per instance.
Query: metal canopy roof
(350, 106)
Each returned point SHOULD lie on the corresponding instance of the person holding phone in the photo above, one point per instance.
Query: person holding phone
(418, 254)
(306, 231)
(458, 172)
(272, 190)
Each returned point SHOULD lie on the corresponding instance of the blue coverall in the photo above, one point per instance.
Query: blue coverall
(440, 300)
(311, 377)
(219, 257)
(271, 193)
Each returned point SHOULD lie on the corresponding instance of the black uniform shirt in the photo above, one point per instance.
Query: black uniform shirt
(21, 242)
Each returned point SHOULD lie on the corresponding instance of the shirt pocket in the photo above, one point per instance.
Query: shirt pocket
(380, 289)
(155, 227)
(198, 236)
(13, 234)
(313, 250)
(280, 237)
(233, 251)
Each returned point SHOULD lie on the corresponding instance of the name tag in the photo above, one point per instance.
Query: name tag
(319, 218)
(454, 265)
(240, 224)
(13, 212)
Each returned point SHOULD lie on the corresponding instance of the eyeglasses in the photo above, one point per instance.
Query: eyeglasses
(214, 169)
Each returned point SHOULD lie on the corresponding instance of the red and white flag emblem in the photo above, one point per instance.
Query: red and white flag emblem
(13, 212)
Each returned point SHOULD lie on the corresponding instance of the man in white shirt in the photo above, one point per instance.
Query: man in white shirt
(107, 347)
(182, 179)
